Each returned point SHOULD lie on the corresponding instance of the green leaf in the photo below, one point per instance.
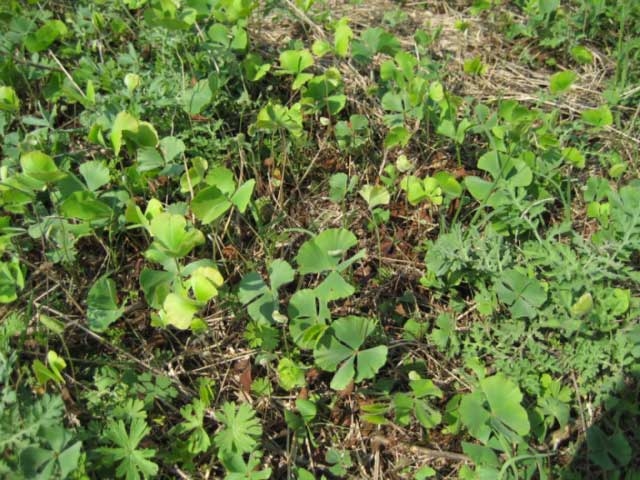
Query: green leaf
(156, 285)
(179, 311)
(242, 196)
(308, 317)
(582, 55)
(340, 347)
(85, 206)
(124, 121)
(171, 234)
(197, 98)
(478, 188)
(523, 295)
(342, 37)
(338, 187)
(474, 416)
(582, 306)
(95, 174)
(320, 48)
(334, 287)
(290, 375)
(598, 117)
(133, 462)
(40, 166)
(293, 62)
(448, 183)
(241, 429)
(324, 251)
(370, 361)
(280, 273)
(505, 399)
(560, 82)
(102, 305)
(204, 282)
(42, 38)
(344, 375)
(397, 137)
(209, 204)
(574, 156)
(9, 101)
(375, 195)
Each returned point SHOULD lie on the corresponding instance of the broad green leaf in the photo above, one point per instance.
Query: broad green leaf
(156, 285)
(308, 317)
(505, 399)
(171, 232)
(85, 206)
(344, 375)
(11, 280)
(255, 67)
(40, 166)
(257, 297)
(397, 137)
(338, 187)
(474, 416)
(370, 361)
(223, 179)
(95, 174)
(598, 117)
(295, 61)
(197, 98)
(561, 82)
(178, 311)
(280, 274)
(242, 196)
(341, 343)
(320, 48)
(375, 195)
(479, 189)
(324, 251)
(124, 121)
(448, 183)
(436, 92)
(329, 353)
(9, 101)
(144, 135)
(42, 38)
(582, 306)
(209, 204)
(342, 37)
(334, 287)
(352, 331)
(205, 282)
(102, 305)
(171, 148)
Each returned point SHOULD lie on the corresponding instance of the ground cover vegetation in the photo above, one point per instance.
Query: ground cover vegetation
(309, 239)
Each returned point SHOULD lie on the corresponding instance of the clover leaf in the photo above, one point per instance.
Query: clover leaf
(339, 349)
(523, 295)
(325, 251)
